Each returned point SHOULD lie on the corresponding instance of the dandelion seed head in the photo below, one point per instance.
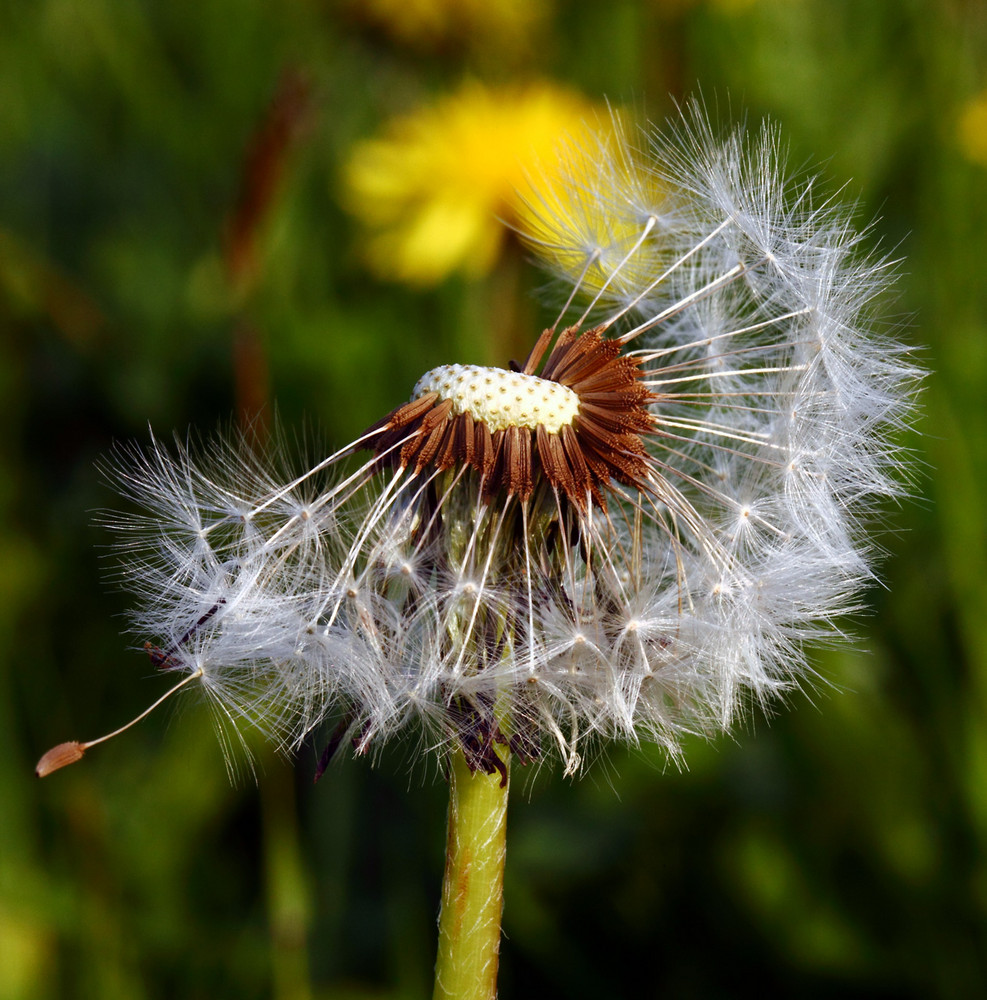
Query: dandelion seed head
(635, 535)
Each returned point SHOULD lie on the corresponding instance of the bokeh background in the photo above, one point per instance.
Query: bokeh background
(213, 210)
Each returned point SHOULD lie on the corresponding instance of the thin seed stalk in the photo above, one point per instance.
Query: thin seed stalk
(473, 885)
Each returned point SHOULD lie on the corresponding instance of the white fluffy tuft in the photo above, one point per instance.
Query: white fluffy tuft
(398, 600)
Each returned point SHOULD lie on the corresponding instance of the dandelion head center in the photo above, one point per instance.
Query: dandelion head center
(500, 398)
(576, 426)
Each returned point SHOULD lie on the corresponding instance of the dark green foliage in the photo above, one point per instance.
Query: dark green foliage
(840, 850)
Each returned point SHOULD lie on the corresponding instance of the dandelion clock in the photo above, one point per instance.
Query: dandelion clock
(631, 534)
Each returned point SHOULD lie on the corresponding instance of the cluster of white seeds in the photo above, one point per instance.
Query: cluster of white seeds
(389, 596)
(501, 398)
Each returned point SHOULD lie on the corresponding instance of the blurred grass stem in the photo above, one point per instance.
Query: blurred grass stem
(289, 910)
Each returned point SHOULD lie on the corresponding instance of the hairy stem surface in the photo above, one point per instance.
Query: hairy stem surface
(473, 885)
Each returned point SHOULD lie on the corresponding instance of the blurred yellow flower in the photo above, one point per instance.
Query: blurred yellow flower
(432, 192)
(597, 212)
(972, 129)
(431, 23)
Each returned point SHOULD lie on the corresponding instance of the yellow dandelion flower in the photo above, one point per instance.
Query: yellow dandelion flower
(433, 189)
(972, 129)
(615, 250)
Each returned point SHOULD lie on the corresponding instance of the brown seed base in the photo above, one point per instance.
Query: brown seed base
(603, 443)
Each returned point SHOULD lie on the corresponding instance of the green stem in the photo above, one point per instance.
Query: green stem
(473, 885)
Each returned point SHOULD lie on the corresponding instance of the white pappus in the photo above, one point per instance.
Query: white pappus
(627, 537)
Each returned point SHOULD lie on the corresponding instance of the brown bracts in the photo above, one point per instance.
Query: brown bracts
(578, 424)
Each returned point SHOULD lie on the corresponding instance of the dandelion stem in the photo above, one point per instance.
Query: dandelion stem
(472, 890)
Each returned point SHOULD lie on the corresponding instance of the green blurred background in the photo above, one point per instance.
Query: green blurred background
(174, 251)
